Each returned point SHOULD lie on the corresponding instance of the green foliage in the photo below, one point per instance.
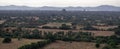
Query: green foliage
(35, 34)
(89, 27)
(117, 31)
(50, 36)
(48, 27)
(101, 39)
(7, 40)
(19, 38)
(78, 36)
(97, 45)
(112, 43)
(65, 27)
(59, 35)
(37, 45)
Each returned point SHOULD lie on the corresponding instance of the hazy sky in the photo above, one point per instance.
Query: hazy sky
(61, 3)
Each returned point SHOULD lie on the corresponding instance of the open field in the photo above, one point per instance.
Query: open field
(105, 27)
(55, 24)
(73, 45)
(15, 43)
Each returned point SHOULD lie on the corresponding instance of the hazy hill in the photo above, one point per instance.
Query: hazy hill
(98, 8)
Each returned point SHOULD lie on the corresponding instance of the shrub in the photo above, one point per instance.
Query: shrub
(37, 45)
(64, 27)
(7, 40)
(97, 45)
(46, 27)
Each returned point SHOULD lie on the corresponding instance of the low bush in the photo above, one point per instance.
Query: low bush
(7, 40)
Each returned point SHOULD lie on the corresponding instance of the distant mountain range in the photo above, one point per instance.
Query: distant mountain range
(98, 8)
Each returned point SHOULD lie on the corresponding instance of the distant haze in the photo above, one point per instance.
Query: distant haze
(97, 8)
(60, 3)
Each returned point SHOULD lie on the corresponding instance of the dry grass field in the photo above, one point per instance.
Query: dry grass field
(55, 24)
(15, 43)
(73, 45)
(105, 27)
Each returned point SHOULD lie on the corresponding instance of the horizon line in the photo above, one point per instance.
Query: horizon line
(58, 6)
